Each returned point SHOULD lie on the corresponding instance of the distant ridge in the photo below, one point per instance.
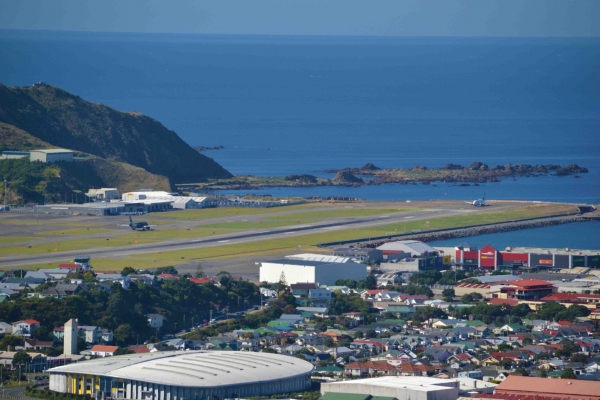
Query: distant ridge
(61, 119)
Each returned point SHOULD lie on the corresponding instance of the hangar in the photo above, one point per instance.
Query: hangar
(310, 271)
(178, 375)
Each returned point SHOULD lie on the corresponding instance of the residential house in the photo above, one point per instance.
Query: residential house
(25, 327)
(155, 320)
(74, 268)
(148, 279)
(513, 328)
(370, 368)
(302, 289)
(437, 355)
(125, 281)
(34, 344)
(103, 350)
(401, 311)
(356, 318)
(319, 296)
(5, 328)
(388, 279)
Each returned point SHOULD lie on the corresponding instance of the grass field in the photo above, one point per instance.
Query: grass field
(209, 213)
(13, 239)
(76, 231)
(79, 244)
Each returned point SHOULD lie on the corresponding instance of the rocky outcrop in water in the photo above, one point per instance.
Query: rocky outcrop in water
(346, 176)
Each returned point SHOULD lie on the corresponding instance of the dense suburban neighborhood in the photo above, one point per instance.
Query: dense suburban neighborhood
(430, 318)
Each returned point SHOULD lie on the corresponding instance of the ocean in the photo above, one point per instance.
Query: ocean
(290, 105)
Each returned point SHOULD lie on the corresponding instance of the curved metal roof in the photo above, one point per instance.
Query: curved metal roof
(193, 368)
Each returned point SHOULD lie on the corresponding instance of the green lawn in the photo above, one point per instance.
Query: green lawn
(79, 244)
(13, 239)
(209, 213)
(76, 231)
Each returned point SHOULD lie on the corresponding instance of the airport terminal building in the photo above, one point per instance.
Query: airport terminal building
(182, 375)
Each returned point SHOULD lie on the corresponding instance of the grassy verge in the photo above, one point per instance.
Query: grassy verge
(15, 239)
(209, 213)
(77, 231)
(79, 244)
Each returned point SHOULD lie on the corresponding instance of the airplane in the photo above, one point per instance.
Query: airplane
(478, 202)
(142, 226)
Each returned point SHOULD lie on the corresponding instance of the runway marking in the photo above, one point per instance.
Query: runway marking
(287, 233)
(409, 217)
(223, 241)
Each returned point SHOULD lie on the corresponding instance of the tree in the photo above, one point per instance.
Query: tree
(123, 333)
(328, 342)
(579, 357)
(166, 270)
(543, 374)
(449, 293)
(128, 271)
(358, 335)
(520, 310)
(21, 358)
(470, 298)
(522, 371)
(282, 284)
(199, 271)
(568, 374)
(268, 350)
(89, 277)
(549, 310)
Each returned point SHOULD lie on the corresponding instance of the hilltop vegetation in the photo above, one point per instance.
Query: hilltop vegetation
(46, 116)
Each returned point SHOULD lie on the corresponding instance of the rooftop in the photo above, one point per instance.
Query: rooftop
(544, 386)
(52, 151)
(194, 368)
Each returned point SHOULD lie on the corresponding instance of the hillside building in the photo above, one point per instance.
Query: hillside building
(51, 155)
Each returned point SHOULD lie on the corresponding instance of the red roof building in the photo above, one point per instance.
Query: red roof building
(557, 388)
(200, 281)
(73, 267)
(527, 289)
(168, 276)
(498, 302)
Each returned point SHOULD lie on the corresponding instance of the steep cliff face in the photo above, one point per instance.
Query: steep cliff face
(64, 120)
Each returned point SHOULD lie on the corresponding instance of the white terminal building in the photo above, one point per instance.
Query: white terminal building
(311, 268)
(177, 202)
(179, 375)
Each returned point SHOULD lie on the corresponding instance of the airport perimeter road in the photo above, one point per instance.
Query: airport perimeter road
(233, 238)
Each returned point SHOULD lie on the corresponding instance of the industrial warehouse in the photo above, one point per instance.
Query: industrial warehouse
(490, 258)
(183, 375)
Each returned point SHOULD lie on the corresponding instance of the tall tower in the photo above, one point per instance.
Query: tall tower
(70, 337)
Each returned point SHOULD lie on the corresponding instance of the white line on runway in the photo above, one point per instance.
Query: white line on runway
(224, 241)
(287, 233)
(409, 217)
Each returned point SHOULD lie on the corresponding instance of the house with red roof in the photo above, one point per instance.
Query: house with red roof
(498, 302)
(103, 350)
(370, 368)
(200, 281)
(71, 267)
(168, 276)
(25, 327)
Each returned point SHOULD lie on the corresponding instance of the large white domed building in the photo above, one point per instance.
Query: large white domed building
(183, 375)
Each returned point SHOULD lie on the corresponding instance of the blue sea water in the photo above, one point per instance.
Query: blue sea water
(287, 105)
(584, 235)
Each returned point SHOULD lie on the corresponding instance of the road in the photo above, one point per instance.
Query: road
(330, 225)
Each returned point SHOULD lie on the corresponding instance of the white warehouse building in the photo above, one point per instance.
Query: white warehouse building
(179, 375)
(51, 155)
(177, 202)
(309, 271)
(399, 387)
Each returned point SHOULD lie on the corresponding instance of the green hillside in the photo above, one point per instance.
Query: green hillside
(61, 119)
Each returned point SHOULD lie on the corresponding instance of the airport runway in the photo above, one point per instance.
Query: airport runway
(14, 261)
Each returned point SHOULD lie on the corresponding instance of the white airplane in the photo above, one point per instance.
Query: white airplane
(478, 202)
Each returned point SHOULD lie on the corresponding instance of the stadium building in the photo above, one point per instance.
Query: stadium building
(183, 375)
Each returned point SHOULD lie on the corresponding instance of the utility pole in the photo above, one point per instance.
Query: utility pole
(4, 209)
